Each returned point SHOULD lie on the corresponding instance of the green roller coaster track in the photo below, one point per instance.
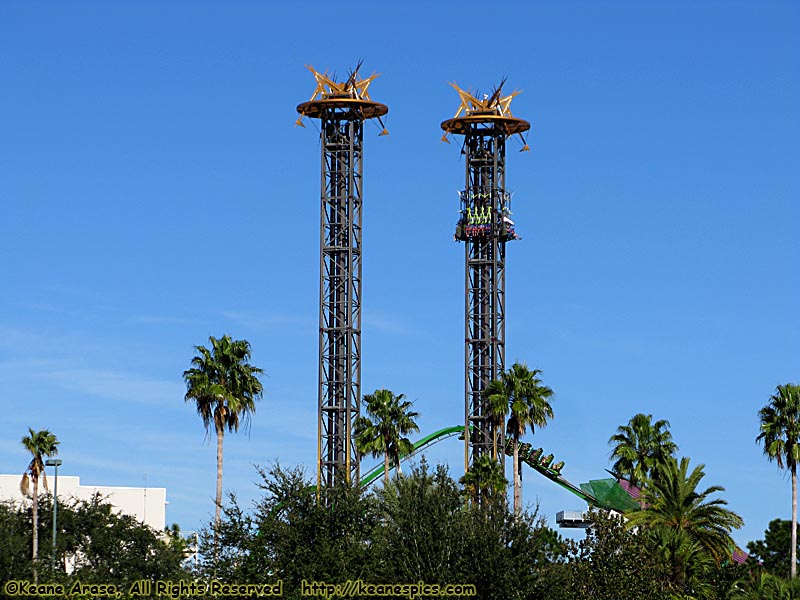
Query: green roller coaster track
(428, 440)
(601, 493)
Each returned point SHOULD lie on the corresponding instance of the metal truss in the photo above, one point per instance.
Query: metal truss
(342, 108)
(485, 283)
(340, 296)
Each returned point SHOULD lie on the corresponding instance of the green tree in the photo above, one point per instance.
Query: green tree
(640, 447)
(427, 534)
(15, 542)
(528, 405)
(420, 529)
(484, 482)
(673, 502)
(689, 569)
(385, 429)
(224, 386)
(780, 436)
(506, 555)
(414, 528)
(99, 545)
(770, 552)
(615, 563)
(107, 547)
(292, 537)
(39, 444)
(721, 579)
(758, 585)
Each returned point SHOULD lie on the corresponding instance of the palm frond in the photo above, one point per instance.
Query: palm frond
(673, 501)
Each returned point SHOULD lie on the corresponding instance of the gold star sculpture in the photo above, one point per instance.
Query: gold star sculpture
(354, 88)
(494, 108)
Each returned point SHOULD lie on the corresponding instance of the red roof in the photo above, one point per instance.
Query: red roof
(632, 490)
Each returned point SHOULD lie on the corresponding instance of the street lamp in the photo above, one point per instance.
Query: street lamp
(54, 462)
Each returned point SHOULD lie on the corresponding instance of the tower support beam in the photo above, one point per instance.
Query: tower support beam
(341, 109)
(485, 258)
(485, 226)
(340, 296)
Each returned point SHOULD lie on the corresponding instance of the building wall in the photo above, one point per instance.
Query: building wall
(146, 505)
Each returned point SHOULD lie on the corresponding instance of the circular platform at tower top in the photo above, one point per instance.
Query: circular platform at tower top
(504, 125)
(354, 108)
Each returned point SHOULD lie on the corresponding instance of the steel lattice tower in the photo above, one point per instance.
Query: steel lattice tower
(485, 227)
(342, 109)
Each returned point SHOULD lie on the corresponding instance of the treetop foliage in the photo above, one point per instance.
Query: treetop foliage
(95, 544)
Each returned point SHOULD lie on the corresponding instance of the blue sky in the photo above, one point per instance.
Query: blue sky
(155, 191)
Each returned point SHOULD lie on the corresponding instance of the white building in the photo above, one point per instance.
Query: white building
(146, 505)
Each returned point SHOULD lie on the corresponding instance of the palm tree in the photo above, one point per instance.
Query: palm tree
(780, 435)
(484, 480)
(224, 386)
(39, 444)
(527, 400)
(641, 446)
(497, 410)
(389, 419)
(673, 502)
(688, 564)
(761, 586)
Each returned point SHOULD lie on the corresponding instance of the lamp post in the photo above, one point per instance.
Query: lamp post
(54, 462)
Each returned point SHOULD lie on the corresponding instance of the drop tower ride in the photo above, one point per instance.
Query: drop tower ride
(342, 109)
(485, 226)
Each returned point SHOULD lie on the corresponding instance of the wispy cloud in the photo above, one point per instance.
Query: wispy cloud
(31, 364)
(78, 461)
(162, 320)
(14, 448)
(22, 342)
(609, 344)
(391, 325)
(266, 321)
(117, 385)
(45, 307)
(108, 384)
(290, 420)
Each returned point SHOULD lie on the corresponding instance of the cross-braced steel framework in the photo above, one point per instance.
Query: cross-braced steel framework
(485, 227)
(485, 259)
(342, 109)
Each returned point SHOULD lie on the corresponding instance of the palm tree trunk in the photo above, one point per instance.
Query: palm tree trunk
(35, 519)
(794, 521)
(517, 479)
(220, 435)
(386, 468)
